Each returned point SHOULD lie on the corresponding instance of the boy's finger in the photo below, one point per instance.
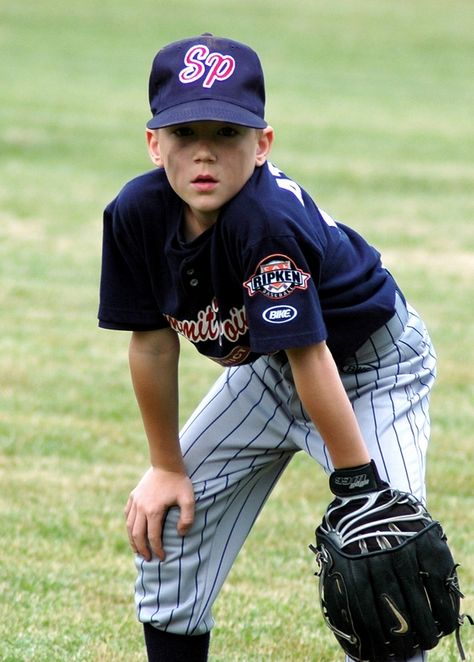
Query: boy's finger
(138, 536)
(155, 531)
(128, 506)
(130, 516)
(186, 518)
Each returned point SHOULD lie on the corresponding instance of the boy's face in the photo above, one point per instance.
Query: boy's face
(207, 163)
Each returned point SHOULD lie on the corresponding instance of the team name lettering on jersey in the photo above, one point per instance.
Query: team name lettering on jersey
(200, 61)
(208, 326)
(276, 277)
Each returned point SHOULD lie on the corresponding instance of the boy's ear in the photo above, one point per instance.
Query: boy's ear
(153, 146)
(264, 145)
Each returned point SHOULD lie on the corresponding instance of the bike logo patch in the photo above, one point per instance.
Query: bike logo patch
(276, 277)
(280, 314)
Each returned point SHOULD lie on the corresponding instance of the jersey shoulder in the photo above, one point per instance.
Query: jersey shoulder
(270, 202)
(271, 208)
(271, 191)
(145, 206)
(142, 190)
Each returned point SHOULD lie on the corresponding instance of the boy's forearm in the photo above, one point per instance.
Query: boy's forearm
(154, 371)
(324, 398)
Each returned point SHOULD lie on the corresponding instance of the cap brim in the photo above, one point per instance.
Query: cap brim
(206, 110)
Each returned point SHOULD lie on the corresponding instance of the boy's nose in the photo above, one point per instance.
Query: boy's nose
(204, 151)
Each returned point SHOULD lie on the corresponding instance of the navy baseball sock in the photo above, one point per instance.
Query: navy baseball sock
(168, 647)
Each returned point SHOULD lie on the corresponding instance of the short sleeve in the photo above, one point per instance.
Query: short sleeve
(281, 296)
(127, 301)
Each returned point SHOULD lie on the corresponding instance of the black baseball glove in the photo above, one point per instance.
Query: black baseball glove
(387, 580)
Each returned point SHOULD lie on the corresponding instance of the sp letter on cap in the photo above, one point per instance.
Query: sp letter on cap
(203, 65)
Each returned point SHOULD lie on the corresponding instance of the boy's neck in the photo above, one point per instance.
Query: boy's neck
(195, 225)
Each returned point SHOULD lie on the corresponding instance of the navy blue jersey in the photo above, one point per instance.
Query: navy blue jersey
(273, 273)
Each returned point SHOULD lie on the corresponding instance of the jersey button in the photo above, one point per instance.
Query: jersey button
(193, 282)
(190, 272)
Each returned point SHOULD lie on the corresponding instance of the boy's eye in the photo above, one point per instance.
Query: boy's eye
(228, 131)
(183, 132)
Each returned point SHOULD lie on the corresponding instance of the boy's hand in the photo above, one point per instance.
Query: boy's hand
(147, 505)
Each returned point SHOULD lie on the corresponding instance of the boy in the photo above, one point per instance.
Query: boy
(321, 351)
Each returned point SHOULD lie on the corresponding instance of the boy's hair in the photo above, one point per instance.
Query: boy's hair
(207, 78)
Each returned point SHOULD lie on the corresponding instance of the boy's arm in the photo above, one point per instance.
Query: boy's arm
(153, 357)
(325, 400)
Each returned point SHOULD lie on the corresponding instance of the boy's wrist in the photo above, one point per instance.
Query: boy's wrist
(353, 481)
(167, 458)
(169, 469)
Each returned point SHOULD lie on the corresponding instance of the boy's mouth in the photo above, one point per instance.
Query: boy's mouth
(204, 182)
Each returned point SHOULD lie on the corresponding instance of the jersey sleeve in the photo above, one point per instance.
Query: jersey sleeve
(281, 296)
(127, 301)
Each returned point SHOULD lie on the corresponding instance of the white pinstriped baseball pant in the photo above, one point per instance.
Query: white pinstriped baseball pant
(242, 436)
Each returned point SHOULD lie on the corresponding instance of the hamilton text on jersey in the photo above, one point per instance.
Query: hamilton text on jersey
(208, 325)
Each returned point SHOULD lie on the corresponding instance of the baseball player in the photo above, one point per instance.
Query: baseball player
(321, 352)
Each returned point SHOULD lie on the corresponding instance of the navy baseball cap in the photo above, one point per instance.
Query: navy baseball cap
(207, 78)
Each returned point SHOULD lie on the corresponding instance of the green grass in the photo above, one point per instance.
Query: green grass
(372, 102)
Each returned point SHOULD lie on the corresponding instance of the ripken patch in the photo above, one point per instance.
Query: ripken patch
(276, 277)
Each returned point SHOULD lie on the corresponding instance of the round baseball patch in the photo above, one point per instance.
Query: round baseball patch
(276, 277)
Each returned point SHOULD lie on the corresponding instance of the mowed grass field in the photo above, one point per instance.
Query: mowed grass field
(372, 103)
